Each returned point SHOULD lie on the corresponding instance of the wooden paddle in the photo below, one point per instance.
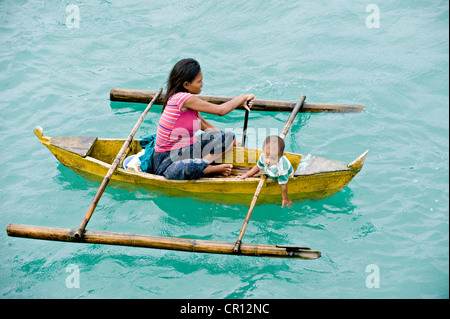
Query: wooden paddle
(263, 178)
(244, 132)
(81, 228)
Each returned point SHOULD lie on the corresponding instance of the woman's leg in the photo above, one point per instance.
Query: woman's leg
(211, 146)
(186, 169)
(215, 144)
(223, 169)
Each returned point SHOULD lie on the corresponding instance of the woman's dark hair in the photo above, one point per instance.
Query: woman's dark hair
(184, 70)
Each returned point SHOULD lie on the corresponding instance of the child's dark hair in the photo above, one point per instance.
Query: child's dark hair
(184, 70)
(275, 140)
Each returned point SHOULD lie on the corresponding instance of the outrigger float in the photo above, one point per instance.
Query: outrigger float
(314, 178)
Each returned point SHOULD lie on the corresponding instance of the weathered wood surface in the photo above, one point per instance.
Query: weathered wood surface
(80, 145)
(297, 107)
(159, 242)
(140, 96)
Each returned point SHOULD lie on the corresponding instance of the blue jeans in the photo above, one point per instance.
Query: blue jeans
(187, 162)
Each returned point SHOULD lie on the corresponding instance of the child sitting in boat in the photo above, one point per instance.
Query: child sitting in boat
(274, 164)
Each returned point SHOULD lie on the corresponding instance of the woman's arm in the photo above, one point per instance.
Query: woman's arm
(197, 104)
(205, 125)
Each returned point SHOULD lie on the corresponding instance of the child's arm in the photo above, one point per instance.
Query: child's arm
(253, 171)
(284, 192)
(283, 180)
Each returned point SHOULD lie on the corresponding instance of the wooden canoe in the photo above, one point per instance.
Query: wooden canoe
(314, 178)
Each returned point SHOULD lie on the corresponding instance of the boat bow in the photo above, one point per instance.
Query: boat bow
(358, 163)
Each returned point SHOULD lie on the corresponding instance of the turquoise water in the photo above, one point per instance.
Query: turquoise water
(391, 221)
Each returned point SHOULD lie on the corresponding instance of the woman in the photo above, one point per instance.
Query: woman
(179, 154)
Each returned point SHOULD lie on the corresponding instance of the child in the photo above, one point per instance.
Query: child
(274, 164)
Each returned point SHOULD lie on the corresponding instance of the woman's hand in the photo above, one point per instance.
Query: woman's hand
(249, 101)
(197, 104)
(205, 126)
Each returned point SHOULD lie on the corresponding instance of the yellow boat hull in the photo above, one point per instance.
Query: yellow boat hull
(314, 178)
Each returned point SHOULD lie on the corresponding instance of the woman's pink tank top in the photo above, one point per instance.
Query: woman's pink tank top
(176, 128)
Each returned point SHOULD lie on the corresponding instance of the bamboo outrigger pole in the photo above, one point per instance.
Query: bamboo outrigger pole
(160, 242)
(262, 180)
(81, 228)
(140, 96)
